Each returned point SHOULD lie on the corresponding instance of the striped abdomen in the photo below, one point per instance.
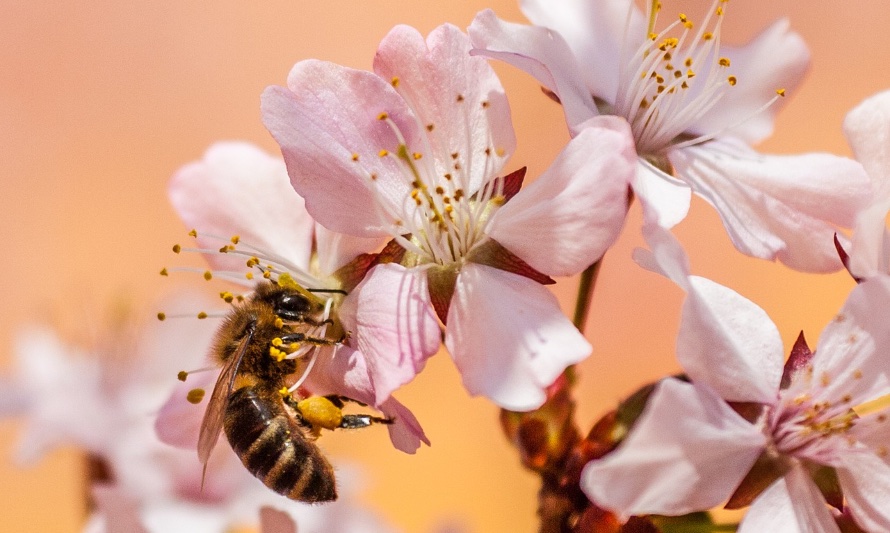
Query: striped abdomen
(274, 448)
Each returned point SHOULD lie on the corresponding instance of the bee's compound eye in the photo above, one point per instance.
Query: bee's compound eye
(292, 304)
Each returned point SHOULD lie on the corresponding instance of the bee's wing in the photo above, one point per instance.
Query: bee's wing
(212, 423)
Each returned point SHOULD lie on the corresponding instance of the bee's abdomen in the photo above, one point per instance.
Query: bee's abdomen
(273, 448)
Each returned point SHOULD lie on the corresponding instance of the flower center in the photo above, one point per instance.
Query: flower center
(674, 78)
(442, 220)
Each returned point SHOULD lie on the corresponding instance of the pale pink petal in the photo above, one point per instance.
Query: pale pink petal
(730, 343)
(870, 244)
(393, 324)
(777, 207)
(865, 480)
(665, 200)
(455, 96)
(687, 452)
(179, 421)
(776, 59)
(508, 337)
(567, 218)
(852, 358)
(237, 189)
(120, 510)
(597, 33)
(543, 54)
(867, 128)
(328, 126)
(334, 250)
(346, 373)
(275, 521)
(793, 504)
(725, 340)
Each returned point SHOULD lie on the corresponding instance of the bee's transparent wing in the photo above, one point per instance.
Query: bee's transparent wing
(212, 423)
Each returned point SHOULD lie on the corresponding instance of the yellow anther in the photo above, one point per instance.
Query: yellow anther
(195, 396)
(235, 239)
(249, 275)
(417, 155)
(688, 25)
(252, 262)
(653, 36)
(684, 85)
(430, 127)
(383, 116)
(459, 98)
(279, 323)
(707, 36)
(719, 11)
(485, 103)
(780, 92)
(383, 153)
(177, 248)
(202, 315)
(447, 176)
(394, 81)
(182, 375)
(193, 233)
(678, 74)
(162, 316)
(164, 272)
(277, 342)
(276, 354)
(227, 296)
(732, 80)
(267, 275)
(500, 152)
(355, 157)
(208, 275)
(690, 73)
(683, 17)
(724, 61)
(668, 67)
(857, 374)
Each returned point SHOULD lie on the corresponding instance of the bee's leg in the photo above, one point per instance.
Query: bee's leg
(363, 421)
(340, 401)
(297, 338)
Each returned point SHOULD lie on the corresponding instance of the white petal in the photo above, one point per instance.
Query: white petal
(597, 32)
(865, 481)
(793, 504)
(867, 128)
(237, 189)
(687, 452)
(777, 207)
(667, 256)
(730, 343)
(776, 59)
(540, 52)
(853, 356)
(337, 249)
(664, 202)
(508, 337)
(567, 218)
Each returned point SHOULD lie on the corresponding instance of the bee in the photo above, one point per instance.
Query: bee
(272, 432)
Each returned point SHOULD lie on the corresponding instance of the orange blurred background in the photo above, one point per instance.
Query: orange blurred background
(101, 101)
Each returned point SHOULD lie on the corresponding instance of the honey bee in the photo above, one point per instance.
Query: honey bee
(272, 432)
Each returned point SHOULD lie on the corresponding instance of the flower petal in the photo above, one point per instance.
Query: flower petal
(335, 250)
(540, 52)
(328, 126)
(274, 521)
(393, 324)
(725, 340)
(792, 504)
(776, 59)
(865, 480)
(508, 337)
(597, 33)
(567, 218)
(665, 202)
(687, 452)
(455, 96)
(867, 128)
(777, 207)
(230, 191)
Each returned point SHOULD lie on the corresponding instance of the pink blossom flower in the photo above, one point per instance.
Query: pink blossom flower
(690, 450)
(238, 189)
(868, 130)
(412, 153)
(694, 106)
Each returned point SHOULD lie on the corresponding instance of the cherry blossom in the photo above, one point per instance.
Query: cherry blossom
(868, 130)
(412, 153)
(694, 106)
(239, 190)
(690, 449)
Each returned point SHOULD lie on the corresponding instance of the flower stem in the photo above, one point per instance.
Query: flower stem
(585, 294)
